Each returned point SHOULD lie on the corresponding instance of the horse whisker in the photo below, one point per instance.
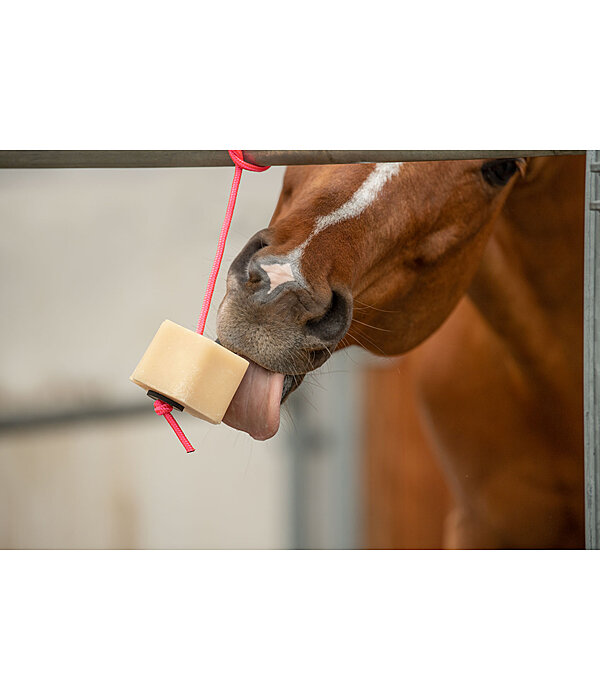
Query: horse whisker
(383, 330)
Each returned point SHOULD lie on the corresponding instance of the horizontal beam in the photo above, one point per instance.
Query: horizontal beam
(69, 416)
(196, 159)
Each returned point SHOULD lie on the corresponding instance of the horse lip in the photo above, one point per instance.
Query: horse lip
(260, 364)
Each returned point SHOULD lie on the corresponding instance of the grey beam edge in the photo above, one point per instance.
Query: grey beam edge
(198, 159)
(591, 351)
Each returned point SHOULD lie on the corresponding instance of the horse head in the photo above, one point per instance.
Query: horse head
(376, 255)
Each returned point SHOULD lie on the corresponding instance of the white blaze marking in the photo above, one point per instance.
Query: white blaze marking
(365, 195)
(288, 269)
(278, 274)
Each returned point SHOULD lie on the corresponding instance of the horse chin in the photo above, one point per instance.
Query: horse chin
(280, 351)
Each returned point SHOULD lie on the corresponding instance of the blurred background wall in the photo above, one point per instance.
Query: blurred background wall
(91, 261)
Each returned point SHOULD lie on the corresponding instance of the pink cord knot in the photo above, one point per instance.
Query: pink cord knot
(238, 158)
(164, 409)
(161, 408)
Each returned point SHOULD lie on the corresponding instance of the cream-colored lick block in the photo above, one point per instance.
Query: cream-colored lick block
(192, 370)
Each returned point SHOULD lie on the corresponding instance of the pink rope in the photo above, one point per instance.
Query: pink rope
(240, 164)
(160, 407)
(164, 409)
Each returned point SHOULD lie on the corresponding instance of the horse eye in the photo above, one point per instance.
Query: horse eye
(498, 172)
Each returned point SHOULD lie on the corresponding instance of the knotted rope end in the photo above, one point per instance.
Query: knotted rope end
(164, 409)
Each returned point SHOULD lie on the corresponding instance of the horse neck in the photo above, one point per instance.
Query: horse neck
(529, 286)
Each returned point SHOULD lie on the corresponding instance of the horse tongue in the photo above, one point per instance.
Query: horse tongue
(255, 405)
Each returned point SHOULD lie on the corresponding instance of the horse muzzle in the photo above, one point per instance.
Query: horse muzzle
(291, 327)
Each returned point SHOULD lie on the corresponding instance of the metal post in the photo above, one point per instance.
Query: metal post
(591, 350)
(195, 159)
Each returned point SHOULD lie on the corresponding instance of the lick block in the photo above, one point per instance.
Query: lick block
(191, 370)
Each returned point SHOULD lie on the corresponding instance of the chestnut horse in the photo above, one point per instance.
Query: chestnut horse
(476, 268)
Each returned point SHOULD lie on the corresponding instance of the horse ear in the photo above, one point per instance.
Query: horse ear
(531, 168)
(522, 165)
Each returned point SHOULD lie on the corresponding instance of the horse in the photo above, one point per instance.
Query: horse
(473, 272)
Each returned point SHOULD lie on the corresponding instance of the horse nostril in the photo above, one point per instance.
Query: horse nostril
(244, 267)
(255, 272)
(333, 324)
